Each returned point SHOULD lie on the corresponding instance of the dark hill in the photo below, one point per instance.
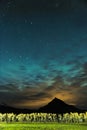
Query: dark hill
(58, 106)
(55, 106)
(9, 109)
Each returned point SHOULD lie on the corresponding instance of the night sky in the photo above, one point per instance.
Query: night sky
(43, 52)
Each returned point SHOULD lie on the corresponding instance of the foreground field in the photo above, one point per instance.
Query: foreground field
(42, 126)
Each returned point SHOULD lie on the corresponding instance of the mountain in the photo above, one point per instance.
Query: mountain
(58, 106)
(55, 106)
(8, 109)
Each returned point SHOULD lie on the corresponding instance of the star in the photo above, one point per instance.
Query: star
(31, 23)
(20, 56)
(25, 21)
(27, 58)
(7, 52)
(10, 60)
(56, 5)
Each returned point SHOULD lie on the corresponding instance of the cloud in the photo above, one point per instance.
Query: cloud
(35, 91)
(41, 94)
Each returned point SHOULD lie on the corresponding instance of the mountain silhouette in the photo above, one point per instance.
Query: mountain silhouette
(58, 106)
(55, 106)
(8, 109)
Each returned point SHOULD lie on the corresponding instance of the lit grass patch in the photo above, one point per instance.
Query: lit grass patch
(42, 126)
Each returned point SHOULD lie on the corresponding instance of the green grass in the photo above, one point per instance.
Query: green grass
(42, 126)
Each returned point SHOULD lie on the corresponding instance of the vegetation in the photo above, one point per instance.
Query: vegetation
(44, 117)
(42, 126)
(43, 121)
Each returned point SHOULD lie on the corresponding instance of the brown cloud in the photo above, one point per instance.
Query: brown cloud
(39, 94)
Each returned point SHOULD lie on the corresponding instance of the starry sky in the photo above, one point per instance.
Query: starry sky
(43, 52)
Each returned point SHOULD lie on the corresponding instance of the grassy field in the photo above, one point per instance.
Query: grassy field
(43, 126)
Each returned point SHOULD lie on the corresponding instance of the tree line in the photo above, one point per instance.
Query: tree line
(44, 117)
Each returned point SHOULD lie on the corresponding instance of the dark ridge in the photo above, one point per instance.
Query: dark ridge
(55, 106)
(9, 109)
(58, 106)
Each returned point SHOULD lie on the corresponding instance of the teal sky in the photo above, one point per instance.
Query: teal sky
(43, 53)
